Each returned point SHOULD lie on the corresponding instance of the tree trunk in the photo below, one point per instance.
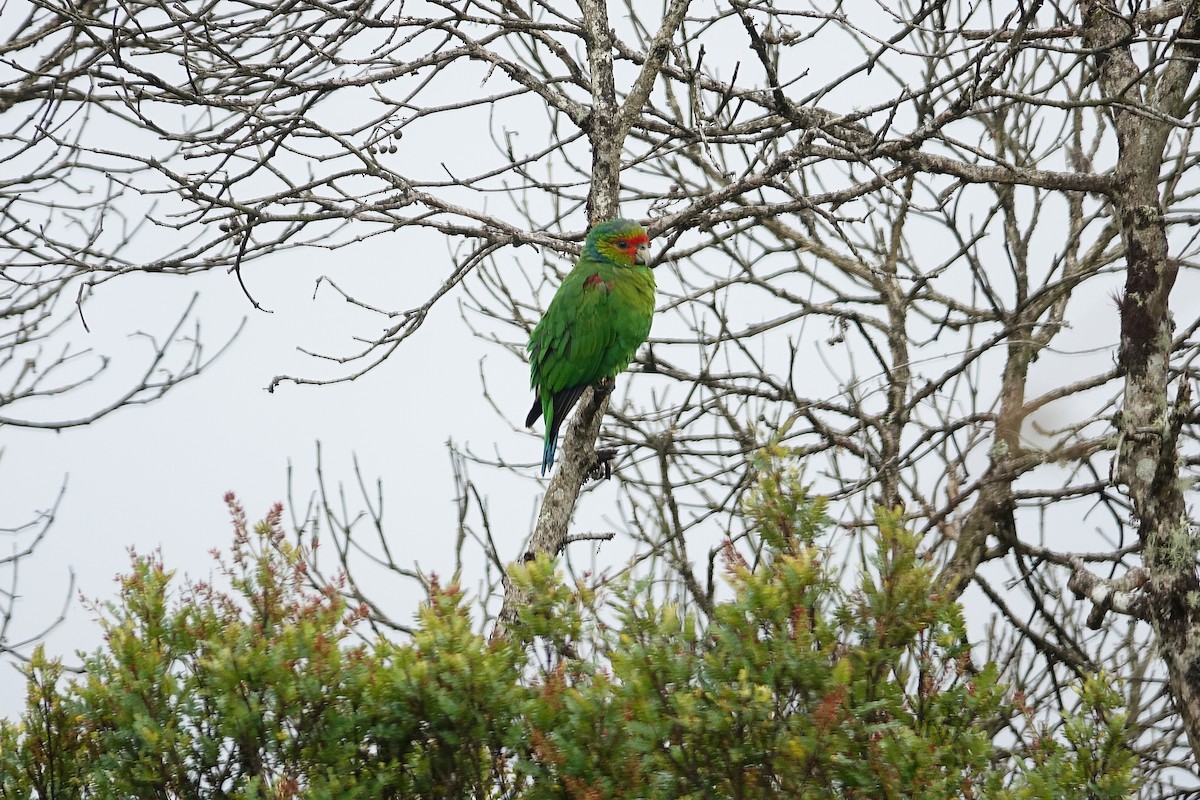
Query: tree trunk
(1149, 423)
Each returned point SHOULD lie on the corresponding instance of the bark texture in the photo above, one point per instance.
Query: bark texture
(1150, 421)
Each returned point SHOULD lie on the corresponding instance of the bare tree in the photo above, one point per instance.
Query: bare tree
(64, 230)
(890, 242)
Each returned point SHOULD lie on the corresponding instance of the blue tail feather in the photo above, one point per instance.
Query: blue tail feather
(561, 405)
(548, 451)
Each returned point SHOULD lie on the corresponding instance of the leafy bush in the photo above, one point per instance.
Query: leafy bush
(793, 687)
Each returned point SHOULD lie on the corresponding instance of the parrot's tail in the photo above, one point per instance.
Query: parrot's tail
(548, 450)
(563, 402)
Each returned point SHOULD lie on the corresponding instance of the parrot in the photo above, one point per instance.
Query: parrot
(594, 324)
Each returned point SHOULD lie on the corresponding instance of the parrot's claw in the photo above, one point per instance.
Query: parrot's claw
(601, 468)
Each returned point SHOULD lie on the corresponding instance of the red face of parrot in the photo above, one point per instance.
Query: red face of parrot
(631, 249)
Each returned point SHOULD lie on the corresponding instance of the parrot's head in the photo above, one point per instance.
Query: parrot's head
(620, 240)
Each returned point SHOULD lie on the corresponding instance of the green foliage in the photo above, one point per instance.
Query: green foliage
(795, 687)
(1092, 762)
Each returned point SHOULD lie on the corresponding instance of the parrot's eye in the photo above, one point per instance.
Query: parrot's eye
(624, 245)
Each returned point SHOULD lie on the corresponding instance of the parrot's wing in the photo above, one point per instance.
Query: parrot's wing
(573, 346)
(534, 412)
(569, 344)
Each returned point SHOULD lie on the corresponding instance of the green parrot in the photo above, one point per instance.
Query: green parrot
(594, 324)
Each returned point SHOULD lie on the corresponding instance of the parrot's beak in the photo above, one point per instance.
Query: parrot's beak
(643, 255)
